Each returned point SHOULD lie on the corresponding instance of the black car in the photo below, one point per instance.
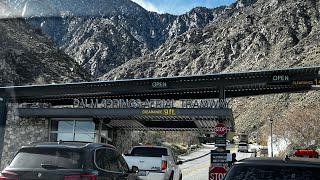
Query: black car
(275, 168)
(68, 161)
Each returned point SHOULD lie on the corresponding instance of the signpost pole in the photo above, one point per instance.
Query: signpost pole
(271, 121)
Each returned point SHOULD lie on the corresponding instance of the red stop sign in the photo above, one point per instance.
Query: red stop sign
(220, 129)
(217, 173)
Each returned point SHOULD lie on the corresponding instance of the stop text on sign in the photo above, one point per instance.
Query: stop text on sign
(217, 176)
(217, 173)
(220, 129)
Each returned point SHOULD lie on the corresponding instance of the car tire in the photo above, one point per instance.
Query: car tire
(171, 176)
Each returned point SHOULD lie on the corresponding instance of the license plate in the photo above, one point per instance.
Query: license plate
(142, 173)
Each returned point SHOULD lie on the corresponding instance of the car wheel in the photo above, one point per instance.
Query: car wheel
(171, 176)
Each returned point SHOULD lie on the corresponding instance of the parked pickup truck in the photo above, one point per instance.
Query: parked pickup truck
(154, 162)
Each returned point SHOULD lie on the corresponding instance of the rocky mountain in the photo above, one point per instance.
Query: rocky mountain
(265, 35)
(28, 56)
(104, 34)
(130, 42)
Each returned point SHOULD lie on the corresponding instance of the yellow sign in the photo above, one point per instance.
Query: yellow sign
(166, 112)
(169, 112)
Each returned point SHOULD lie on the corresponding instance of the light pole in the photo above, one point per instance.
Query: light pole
(271, 121)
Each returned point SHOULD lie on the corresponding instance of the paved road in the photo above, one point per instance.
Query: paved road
(199, 168)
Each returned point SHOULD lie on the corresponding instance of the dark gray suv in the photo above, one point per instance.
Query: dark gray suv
(275, 168)
(68, 161)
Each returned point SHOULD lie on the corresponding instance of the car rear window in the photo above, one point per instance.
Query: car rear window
(243, 145)
(34, 157)
(149, 152)
(273, 172)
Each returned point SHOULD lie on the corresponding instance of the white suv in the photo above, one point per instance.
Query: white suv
(154, 163)
(243, 147)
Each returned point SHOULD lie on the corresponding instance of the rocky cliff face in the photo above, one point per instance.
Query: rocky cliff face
(107, 33)
(265, 35)
(28, 57)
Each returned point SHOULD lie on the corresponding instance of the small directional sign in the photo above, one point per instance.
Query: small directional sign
(220, 141)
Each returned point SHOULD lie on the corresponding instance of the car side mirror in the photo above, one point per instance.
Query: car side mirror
(179, 162)
(134, 169)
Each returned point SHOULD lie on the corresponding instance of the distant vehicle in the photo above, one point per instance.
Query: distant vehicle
(154, 162)
(68, 161)
(263, 152)
(275, 168)
(306, 153)
(243, 137)
(243, 147)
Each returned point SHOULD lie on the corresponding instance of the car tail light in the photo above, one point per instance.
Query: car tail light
(80, 177)
(164, 165)
(7, 175)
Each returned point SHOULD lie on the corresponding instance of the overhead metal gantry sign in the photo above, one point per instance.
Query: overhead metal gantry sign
(170, 103)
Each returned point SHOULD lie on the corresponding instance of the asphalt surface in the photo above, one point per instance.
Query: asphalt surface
(198, 169)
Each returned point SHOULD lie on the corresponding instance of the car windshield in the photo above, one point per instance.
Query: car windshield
(254, 172)
(47, 158)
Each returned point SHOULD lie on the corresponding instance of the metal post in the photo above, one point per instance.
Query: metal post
(222, 94)
(271, 137)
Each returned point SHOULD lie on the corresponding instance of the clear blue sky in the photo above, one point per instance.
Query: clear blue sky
(179, 6)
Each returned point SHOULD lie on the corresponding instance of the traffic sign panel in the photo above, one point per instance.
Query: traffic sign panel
(220, 141)
(219, 158)
(220, 129)
(217, 173)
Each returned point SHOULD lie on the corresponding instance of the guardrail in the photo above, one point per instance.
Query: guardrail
(192, 159)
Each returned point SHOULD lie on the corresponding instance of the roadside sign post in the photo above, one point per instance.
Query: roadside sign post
(220, 158)
(220, 139)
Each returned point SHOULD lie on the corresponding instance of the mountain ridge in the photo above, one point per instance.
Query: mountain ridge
(246, 40)
(29, 57)
(135, 27)
(265, 35)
